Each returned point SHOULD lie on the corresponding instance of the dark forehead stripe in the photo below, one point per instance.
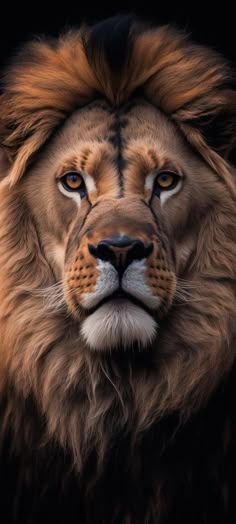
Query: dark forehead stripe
(117, 140)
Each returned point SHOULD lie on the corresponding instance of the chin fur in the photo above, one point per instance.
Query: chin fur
(118, 324)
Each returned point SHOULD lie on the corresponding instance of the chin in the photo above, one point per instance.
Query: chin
(118, 324)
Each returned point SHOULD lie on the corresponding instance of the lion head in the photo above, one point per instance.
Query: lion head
(117, 232)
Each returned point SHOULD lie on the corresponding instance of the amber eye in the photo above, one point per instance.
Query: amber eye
(166, 181)
(74, 182)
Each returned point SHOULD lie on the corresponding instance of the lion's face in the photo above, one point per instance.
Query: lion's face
(112, 199)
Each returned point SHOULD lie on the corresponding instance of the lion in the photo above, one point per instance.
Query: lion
(117, 292)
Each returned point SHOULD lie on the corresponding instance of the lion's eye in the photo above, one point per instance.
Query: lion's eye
(74, 182)
(166, 181)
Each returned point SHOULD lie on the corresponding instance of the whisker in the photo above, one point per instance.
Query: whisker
(52, 296)
(184, 293)
(187, 284)
(190, 301)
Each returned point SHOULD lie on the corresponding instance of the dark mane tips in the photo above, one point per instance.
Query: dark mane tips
(110, 39)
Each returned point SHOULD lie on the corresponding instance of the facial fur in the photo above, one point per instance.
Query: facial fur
(92, 284)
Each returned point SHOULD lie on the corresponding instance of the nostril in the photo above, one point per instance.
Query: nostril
(139, 250)
(102, 250)
(92, 250)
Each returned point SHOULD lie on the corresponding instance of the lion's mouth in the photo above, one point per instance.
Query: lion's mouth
(119, 296)
(119, 320)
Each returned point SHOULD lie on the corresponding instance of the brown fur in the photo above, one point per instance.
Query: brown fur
(64, 79)
(87, 402)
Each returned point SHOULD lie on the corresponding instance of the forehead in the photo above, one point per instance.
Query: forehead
(135, 130)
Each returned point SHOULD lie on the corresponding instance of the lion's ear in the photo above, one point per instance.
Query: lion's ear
(5, 162)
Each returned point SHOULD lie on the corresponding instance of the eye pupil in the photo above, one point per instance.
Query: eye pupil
(72, 178)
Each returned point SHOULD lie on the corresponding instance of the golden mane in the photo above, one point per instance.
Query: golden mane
(116, 431)
(48, 80)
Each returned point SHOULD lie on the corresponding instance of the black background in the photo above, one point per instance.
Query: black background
(211, 25)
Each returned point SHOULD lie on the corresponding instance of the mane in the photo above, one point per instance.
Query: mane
(121, 433)
(49, 79)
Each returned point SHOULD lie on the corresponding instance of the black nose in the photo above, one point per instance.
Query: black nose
(120, 251)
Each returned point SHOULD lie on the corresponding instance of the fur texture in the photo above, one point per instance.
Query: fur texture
(117, 365)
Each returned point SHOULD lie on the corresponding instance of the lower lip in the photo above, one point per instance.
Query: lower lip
(120, 300)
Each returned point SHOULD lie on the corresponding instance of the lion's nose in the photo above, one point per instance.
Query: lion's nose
(120, 251)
